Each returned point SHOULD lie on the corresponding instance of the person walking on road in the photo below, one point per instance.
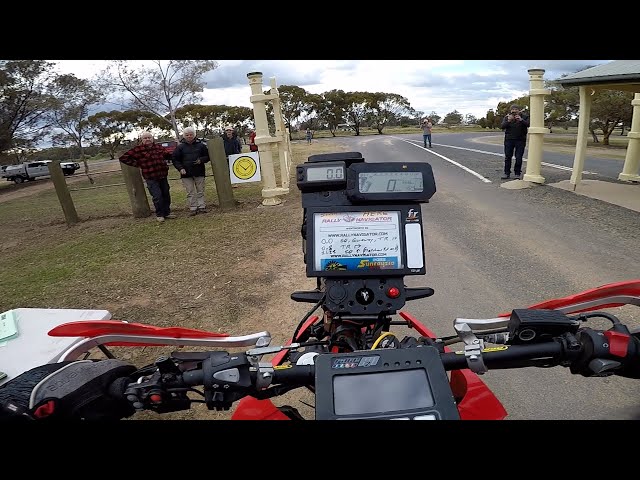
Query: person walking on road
(426, 132)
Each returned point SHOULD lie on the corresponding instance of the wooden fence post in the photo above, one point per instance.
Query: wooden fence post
(220, 167)
(136, 190)
(62, 190)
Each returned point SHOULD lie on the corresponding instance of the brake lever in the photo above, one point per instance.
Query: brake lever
(472, 348)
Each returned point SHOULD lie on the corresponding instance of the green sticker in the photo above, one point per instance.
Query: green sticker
(8, 327)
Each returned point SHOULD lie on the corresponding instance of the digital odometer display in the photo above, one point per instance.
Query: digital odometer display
(324, 173)
(390, 182)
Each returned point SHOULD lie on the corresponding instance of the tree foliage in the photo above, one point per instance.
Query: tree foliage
(110, 129)
(24, 102)
(452, 118)
(70, 111)
(161, 88)
(384, 107)
(210, 120)
(609, 109)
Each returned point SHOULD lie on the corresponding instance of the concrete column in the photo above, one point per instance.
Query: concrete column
(264, 140)
(583, 135)
(632, 159)
(536, 125)
(282, 133)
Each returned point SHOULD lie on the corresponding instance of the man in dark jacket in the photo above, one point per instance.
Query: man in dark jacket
(515, 126)
(232, 144)
(189, 158)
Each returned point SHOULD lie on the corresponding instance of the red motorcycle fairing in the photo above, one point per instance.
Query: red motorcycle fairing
(605, 296)
(478, 402)
(97, 328)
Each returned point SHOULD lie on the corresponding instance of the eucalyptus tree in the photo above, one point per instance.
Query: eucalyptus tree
(331, 108)
(435, 118)
(452, 118)
(561, 105)
(609, 109)
(72, 100)
(315, 103)
(158, 86)
(110, 129)
(24, 103)
(210, 120)
(357, 108)
(382, 107)
(294, 102)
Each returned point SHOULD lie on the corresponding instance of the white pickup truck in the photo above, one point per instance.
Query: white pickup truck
(31, 170)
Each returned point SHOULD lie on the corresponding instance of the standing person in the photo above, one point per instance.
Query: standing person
(189, 158)
(231, 143)
(309, 136)
(252, 140)
(515, 126)
(151, 158)
(426, 131)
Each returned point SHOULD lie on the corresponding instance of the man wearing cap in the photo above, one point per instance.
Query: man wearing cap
(231, 143)
(515, 126)
(151, 158)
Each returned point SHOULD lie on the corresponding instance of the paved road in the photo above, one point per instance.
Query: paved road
(490, 249)
(556, 166)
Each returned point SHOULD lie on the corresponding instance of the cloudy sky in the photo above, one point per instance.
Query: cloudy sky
(468, 86)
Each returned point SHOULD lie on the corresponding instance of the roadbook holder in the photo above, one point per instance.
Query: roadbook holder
(362, 230)
(362, 233)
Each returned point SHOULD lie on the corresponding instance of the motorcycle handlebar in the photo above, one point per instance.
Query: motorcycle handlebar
(229, 377)
(513, 357)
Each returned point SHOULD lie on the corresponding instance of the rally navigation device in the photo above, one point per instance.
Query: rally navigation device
(362, 230)
(362, 234)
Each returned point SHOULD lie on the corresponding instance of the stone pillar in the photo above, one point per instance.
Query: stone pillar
(583, 135)
(282, 133)
(632, 159)
(264, 140)
(536, 125)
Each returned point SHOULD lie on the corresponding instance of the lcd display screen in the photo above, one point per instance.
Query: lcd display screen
(357, 241)
(381, 392)
(324, 173)
(390, 182)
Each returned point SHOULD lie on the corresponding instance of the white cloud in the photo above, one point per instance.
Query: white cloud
(468, 86)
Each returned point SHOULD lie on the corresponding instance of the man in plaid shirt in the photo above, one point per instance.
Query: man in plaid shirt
(151, 158)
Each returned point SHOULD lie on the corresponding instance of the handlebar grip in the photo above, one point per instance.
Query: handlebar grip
(510, 356)
(193, 378)
(296, 374)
